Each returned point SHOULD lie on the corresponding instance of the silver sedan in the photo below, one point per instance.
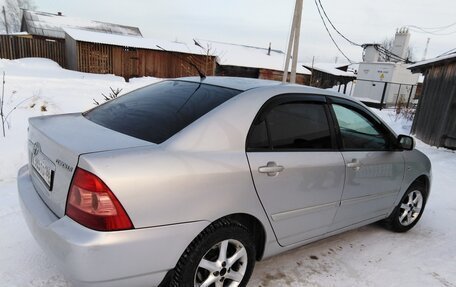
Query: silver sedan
(189, 182)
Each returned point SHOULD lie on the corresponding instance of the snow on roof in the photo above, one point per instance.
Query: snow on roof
(432, 61)
(330, 68)
(15, 33)
(248, 56)
(131, 41)
(52, 25)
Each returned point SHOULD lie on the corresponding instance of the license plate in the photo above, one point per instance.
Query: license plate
(44, 167)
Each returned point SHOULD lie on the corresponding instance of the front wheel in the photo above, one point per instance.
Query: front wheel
(223, 255)
(409, 210)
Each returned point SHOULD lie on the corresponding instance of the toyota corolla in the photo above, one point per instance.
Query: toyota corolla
(189, 182)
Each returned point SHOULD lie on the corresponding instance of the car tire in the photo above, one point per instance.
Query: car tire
(224, 253)
(409, 210)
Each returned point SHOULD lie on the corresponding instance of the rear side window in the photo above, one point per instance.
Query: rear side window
(292, 126)
(157, 112)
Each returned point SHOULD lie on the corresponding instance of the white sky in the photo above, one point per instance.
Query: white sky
(258, 22)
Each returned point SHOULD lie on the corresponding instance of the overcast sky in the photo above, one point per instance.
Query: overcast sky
(258, 22)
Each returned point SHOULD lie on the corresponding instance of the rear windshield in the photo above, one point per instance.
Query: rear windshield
(157, 112)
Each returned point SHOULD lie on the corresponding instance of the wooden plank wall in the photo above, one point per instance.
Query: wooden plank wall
(274, 75)
(163, 64)
(435, 118)
(130, 62)
(95, 58)
(236, 71)
(19, 47)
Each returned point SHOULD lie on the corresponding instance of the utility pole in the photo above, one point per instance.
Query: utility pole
(293, 44)
(6, 22)
(312, 71)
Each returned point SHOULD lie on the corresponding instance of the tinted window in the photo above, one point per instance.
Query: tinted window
(293, 126)
(357, 131)
(258, 137)
(157, 112)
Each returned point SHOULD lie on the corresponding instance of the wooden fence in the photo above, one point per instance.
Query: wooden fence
(12, 47)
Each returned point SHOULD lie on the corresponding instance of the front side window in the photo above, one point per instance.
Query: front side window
(292, 126)
(357, 131)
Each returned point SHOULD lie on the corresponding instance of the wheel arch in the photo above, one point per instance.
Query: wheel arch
(255, 226)
(424, 181)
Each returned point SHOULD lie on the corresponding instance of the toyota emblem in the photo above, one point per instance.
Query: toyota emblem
(36, 148)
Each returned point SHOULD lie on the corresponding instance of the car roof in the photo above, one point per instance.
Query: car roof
(245, 84)
(237, 83)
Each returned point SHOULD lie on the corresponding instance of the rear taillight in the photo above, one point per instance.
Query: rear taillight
(91, 203)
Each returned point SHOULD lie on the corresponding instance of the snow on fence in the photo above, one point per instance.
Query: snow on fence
(12, 47)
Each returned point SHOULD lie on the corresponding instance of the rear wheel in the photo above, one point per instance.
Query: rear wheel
(223, 255)
(409, 210)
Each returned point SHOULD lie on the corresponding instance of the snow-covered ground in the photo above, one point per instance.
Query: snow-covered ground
(369, 256)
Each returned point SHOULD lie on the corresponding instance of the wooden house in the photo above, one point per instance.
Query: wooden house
(251, 62)
(130, 56)
(325, 75)
(435, 117)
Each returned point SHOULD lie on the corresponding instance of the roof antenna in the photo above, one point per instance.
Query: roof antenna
(200, 73)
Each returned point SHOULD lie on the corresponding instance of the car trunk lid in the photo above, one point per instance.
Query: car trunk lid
(54, 146)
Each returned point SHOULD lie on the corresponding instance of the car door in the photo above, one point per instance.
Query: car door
(374, 165)
(297, 170)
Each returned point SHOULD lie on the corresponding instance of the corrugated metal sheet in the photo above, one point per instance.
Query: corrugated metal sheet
(435, 119)
(51, 25)
(132, 42)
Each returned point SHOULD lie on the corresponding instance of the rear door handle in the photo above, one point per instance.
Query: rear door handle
(272, 169)
(355, 164)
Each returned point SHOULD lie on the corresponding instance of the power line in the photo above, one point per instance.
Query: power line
(338, 32)
(436, 29)
(448, 52)
(436, 33)
(382, 50)
(329, 33)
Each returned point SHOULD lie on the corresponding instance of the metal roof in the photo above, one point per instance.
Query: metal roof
(229, 54)
(420, 66)
(329, 68)
(132, 41)
(52, 25)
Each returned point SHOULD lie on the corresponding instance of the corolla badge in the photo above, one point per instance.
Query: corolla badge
(64, 165)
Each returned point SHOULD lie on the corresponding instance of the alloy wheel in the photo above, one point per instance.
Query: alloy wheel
(410, 208)
(224, 265)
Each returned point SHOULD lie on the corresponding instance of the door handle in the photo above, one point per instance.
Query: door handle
(272, 169)
(355, 164)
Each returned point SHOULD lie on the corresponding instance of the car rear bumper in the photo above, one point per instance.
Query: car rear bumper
(139, 257)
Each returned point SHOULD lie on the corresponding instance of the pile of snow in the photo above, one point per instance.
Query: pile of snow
(369, 256)
(36, 87)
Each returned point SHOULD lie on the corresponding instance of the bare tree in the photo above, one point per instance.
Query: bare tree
(388, 44)
(13, 11)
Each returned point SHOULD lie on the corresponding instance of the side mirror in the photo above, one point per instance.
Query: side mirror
(406, 142)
